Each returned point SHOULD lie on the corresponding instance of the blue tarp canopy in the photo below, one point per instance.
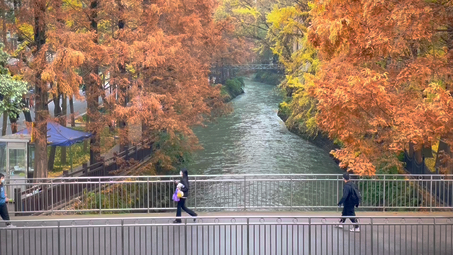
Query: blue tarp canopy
(57, 135)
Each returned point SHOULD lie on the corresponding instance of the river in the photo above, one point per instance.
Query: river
(254, 140)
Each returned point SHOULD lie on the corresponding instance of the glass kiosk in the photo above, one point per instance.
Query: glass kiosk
(16, 161)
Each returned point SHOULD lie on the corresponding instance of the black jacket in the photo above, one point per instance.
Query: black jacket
(348, 190)
(185, 181)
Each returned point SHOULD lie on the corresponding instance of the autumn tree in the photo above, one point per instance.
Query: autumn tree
(385, 78)
(288, 36)
(157, 54)
(249, 19)
(50, 63)
(168, 63)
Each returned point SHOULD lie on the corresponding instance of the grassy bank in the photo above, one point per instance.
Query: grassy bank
(233, 88)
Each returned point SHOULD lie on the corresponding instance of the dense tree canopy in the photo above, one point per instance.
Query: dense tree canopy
(155, 55)
(386, 76)
(374, 75)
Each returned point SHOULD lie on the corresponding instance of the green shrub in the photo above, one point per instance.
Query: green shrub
(397, 192)
(234, 86)
(284, 111)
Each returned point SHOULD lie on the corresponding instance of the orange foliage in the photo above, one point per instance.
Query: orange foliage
(157, 53)
(385, 78)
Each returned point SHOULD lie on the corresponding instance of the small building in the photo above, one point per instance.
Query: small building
(16, 160)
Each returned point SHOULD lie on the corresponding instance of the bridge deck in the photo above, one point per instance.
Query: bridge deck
(229, 233)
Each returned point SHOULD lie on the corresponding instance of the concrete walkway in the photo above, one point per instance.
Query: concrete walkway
(229, 233)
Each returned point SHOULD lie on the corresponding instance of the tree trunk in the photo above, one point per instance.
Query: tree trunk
(41, 109)
(5, 123)
(27, 113)
(71, 110)
(93, 125)
(57, 114)
(93, 91)
(13, 122)
(51, 163)
(123, 93)
(64, 112)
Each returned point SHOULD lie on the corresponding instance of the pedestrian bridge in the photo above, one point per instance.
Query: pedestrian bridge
(253, 67)
(127, 194)
(230, 233)
(238, 214)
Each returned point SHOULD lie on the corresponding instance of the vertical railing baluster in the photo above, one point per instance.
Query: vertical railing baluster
(100, 197)
(291, 192)
(384, 200)
(147, 193)
(245, 193)
(431, 197)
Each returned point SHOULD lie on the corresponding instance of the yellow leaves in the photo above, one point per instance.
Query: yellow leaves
(247, 12)
(18, 77)
(48, 76)
(130, 68)
(26, 29)
(73, 3)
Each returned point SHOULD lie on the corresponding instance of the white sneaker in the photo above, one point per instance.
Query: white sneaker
(340, 226)
(355, 230)
(10, 226)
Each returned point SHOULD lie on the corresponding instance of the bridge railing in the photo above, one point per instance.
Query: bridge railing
(230, 235)
(230, 193)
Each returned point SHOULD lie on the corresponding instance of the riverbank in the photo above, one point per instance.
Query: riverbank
(321, 140)
(233, 88)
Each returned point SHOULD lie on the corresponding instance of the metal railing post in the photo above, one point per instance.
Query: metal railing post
(338, 192)
(434, 233)
(245, 193)
(291, 191)
(147, 194)
(196, 193)
(185, 236)
(51, 195)
(100, 197)
(58, 239)
(309, 236)
(385, 187)
(431, 195)
(372, 240)
(248, 236)
(122, 237)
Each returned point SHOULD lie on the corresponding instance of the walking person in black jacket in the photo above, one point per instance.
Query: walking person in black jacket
(350, 199)
(184, 187)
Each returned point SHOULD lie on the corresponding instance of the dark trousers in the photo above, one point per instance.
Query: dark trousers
(182, 205)
(4, 213)
(349, 211)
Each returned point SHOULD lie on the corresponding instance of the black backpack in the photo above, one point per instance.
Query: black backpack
(356, 197)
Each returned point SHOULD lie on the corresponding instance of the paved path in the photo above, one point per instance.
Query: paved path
(228, 233)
